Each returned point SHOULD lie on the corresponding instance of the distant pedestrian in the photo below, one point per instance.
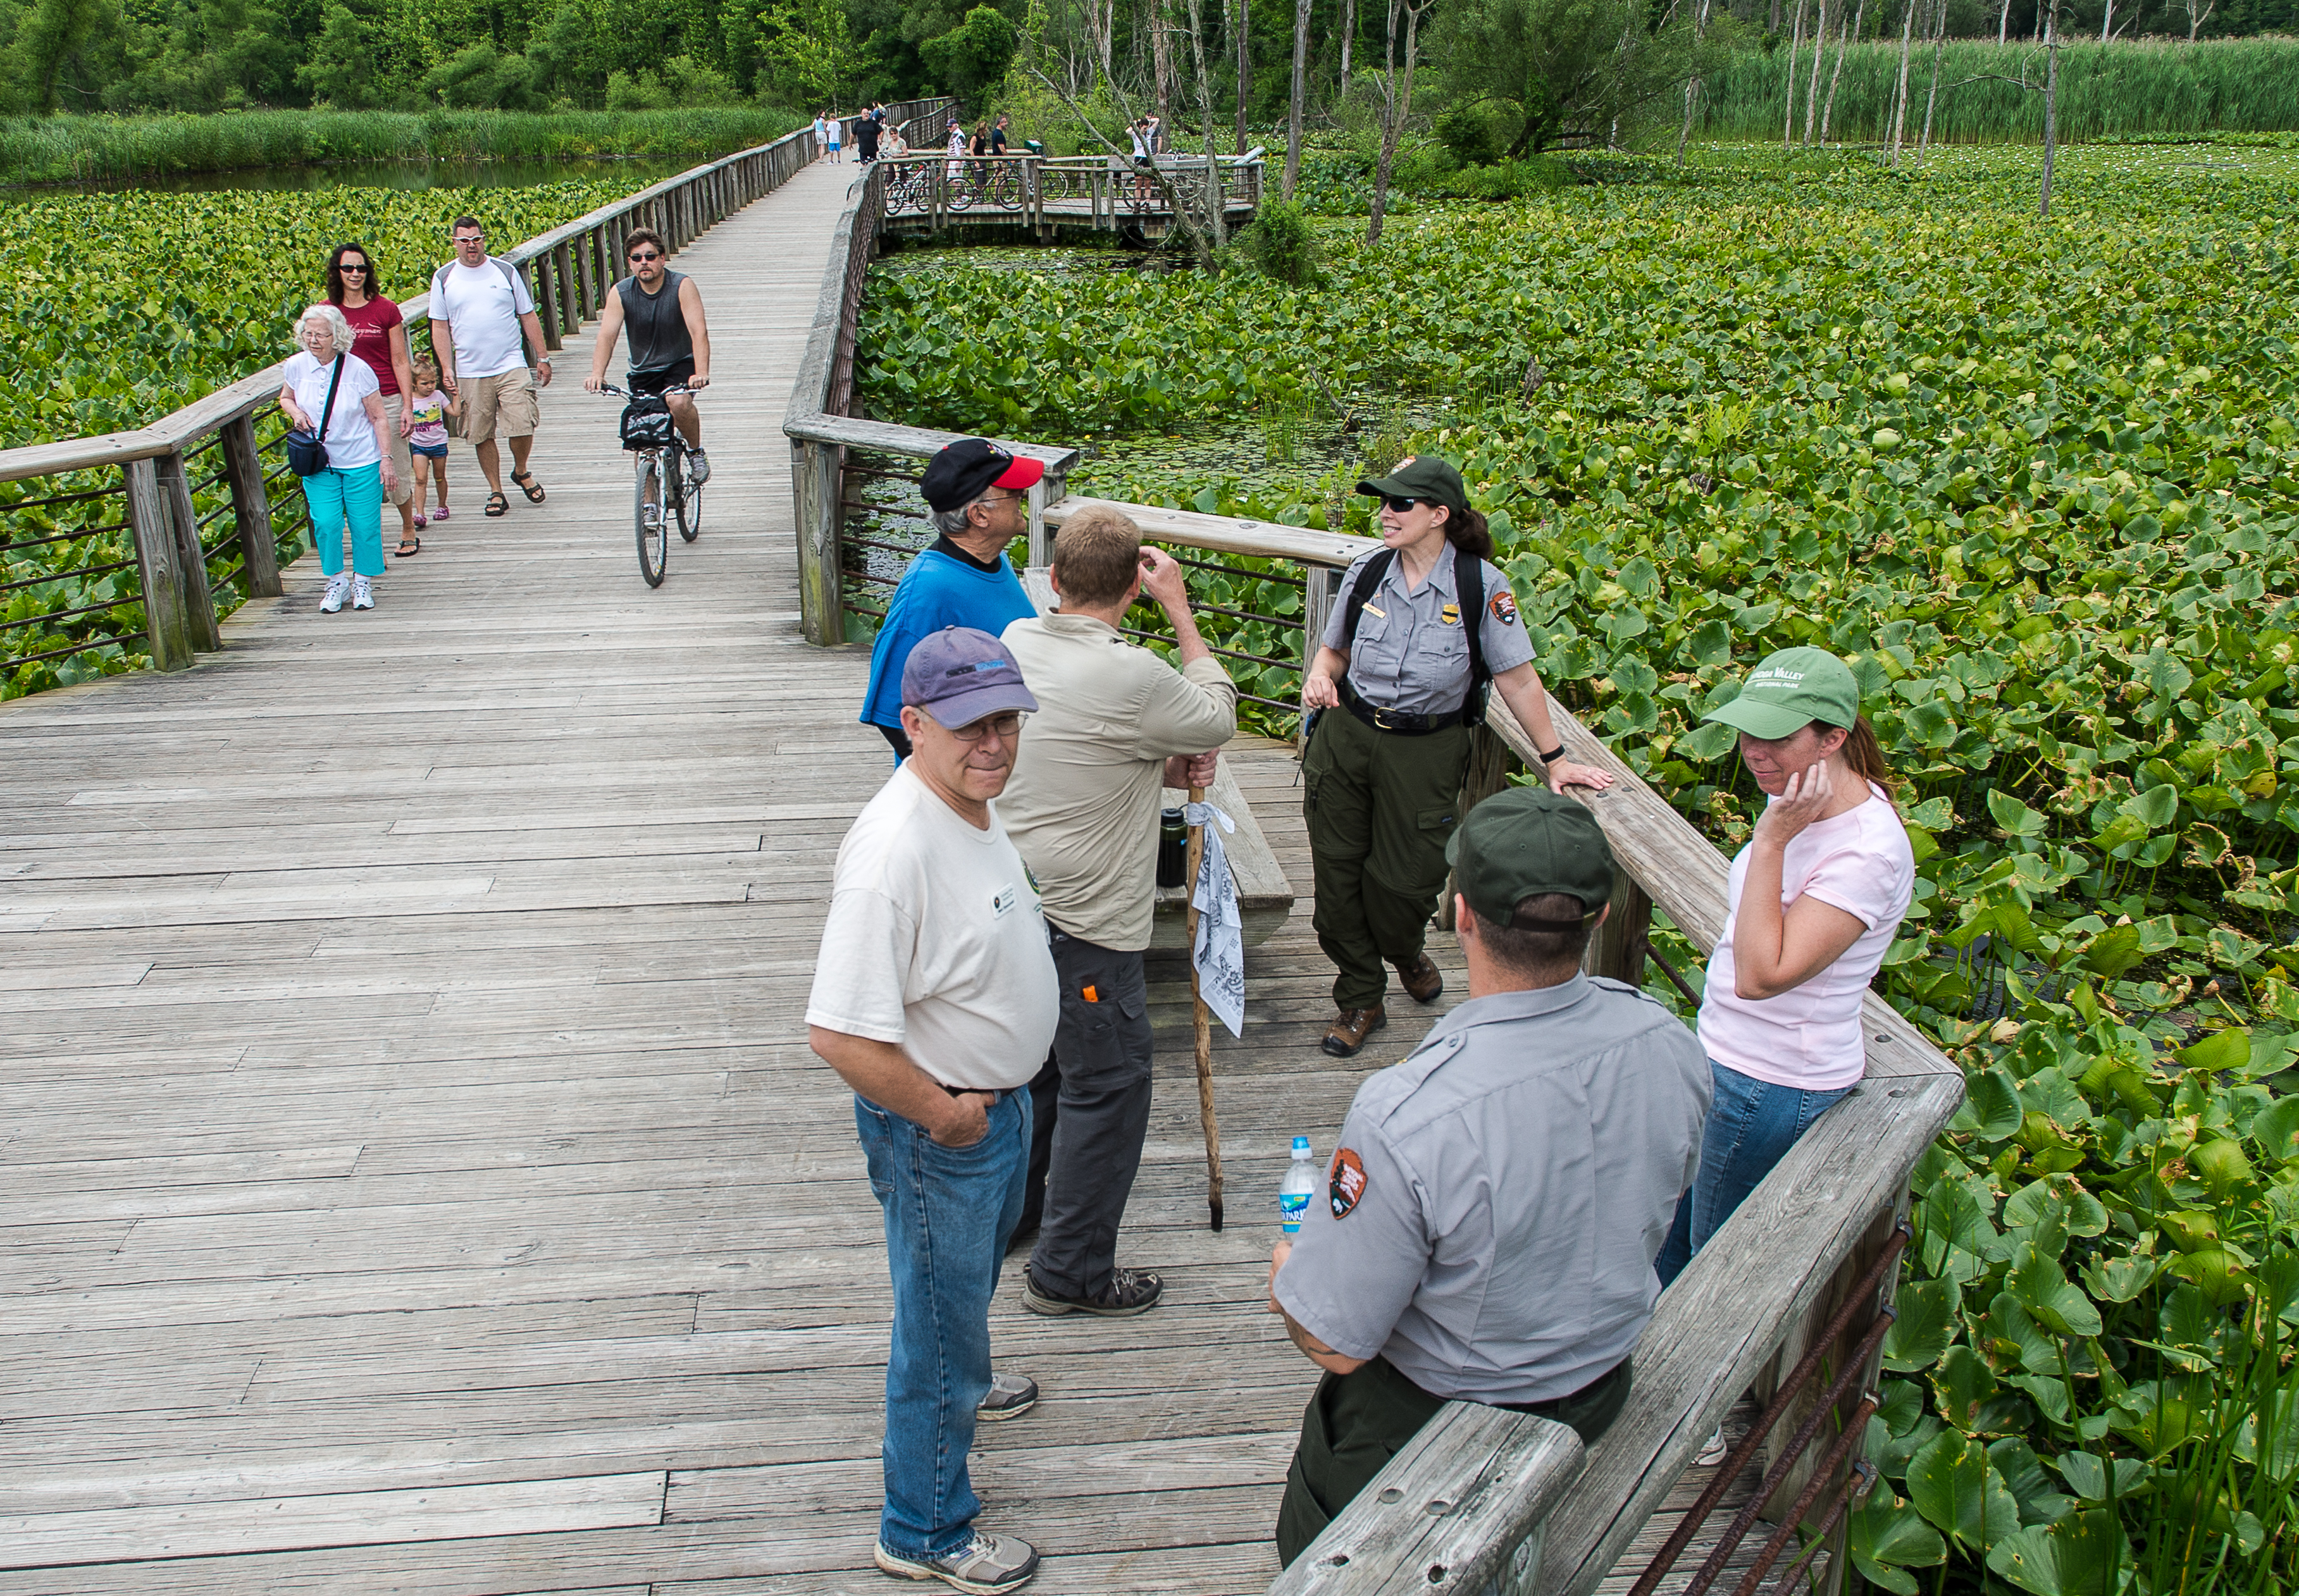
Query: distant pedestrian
(1145, 150)
(979, 148)
(821, 133)
(379, 335)
(480, 307)
(933, 997)
(328, 391)
(837, 137)
(956, 144)
(867, 130)
(427, 441)
(998, 135)
(1812, 903)
(977, 498)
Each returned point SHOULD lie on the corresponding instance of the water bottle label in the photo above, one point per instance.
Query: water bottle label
(1291, 1205)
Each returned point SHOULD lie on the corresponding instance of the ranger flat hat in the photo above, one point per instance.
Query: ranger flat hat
(958, 472)
(958, 674)
(1525, 842)
(1421, 477)
(1789, 691)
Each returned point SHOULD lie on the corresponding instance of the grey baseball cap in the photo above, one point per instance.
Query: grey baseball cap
(958, 674)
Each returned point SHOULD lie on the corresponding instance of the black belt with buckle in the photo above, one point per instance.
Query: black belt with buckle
(1404, 723)
(992, 1092)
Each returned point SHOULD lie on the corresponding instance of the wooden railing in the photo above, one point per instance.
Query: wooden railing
(1101, 192)
(1485, 1501)
(170, 489)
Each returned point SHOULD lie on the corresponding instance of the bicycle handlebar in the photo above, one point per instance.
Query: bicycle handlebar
(609, 388)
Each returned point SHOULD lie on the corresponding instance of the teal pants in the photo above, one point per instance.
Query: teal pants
(354, 499)
(1379, 807)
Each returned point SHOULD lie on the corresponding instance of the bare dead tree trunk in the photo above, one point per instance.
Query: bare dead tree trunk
(2051, 104)
(1836, 74)
(1811, 91)
(1397, 104)
(1300, 87)
(2004, 23)
(1795, 42)
(1692, 84)
(1109, 33)
(1216, 212)
(1161, 55)
(2107, 22)
(1900, 105)
(1348, 38)
(1931, 96)
(1244, 67)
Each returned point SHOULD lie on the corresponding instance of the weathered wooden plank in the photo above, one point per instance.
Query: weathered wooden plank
(1267, 540)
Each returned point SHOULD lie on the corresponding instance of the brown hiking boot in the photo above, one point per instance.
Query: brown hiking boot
(1347, 1033)
(1424, 981)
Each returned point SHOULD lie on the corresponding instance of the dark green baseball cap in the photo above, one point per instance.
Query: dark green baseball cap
(1789, 691)
(1421, 477)
(1526, 841)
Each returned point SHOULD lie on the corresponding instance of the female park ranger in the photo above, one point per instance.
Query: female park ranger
(1419, 626)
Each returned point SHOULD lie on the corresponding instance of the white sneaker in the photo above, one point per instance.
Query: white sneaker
(651, 516)
(362, 596)
(698, 466)
(333, 599)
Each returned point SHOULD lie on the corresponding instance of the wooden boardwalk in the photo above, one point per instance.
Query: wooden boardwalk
(413, 1173)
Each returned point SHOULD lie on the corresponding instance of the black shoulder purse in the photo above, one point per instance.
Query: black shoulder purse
(307, 451)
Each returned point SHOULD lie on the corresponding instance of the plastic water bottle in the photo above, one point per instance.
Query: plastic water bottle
(1301, 1185)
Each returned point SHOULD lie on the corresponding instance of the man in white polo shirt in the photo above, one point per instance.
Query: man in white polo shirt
(479, 309)
(934, 1000)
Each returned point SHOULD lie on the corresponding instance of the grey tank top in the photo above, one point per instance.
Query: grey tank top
(658, 328)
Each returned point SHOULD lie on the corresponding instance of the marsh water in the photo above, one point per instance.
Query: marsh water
(637, 171)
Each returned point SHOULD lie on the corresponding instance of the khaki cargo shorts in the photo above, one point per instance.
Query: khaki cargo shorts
(505, 402)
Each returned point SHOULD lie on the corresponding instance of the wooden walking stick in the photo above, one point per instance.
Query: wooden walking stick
(1202, 1027)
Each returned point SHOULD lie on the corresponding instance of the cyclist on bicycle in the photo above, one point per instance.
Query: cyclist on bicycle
(669, 342)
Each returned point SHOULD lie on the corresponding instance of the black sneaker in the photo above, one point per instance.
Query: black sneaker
(1130, 1292)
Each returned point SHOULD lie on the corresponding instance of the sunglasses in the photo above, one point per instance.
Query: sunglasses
(1402, 505)
(357, 266)
(1002, 727)
(646, 256)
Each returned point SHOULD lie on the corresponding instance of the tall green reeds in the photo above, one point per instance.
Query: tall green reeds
(80, 149)
(2149, 87)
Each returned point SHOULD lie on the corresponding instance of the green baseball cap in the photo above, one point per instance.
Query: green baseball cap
(1421, 477)
(1790, 690)
(1525, 842)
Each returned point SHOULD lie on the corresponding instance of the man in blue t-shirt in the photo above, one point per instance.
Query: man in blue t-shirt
(978, 496)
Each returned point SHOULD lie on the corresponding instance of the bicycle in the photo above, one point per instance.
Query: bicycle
(649, 433)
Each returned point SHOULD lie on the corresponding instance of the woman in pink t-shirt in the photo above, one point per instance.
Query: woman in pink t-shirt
(380, 338)
(1813, 903)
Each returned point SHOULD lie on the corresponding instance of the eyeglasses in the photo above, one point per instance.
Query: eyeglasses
(1001, 727)
(1401, 505)
(649, 255)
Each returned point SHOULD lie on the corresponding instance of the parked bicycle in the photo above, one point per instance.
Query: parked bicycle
(663, 490)
(1002, 185)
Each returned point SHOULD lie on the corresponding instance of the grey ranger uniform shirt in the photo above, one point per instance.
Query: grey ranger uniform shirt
(1412, 649)
(1493, 1212)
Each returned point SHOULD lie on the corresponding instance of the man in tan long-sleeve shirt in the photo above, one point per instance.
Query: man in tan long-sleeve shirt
(1114, 725)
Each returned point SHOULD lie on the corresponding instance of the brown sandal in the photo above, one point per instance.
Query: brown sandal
(528, 485)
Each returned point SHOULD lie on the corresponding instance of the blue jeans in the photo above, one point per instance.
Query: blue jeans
(949, 1213)
(1751, 1125)
(353, 498)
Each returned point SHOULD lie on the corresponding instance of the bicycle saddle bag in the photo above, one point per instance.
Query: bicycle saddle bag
(646, 423)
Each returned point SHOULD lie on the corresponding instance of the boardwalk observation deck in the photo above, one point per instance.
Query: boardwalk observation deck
(413, 1173)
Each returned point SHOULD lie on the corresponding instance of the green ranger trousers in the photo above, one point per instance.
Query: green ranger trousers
(1356, 1423)
(1380, 807)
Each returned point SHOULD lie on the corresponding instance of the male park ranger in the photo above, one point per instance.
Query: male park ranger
(1498, 1199)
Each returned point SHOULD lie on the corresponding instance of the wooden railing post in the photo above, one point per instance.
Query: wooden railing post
(546, 301)
(191, 560)
(1617, 950)
(815, 473)
(251, 507)
(167, 622)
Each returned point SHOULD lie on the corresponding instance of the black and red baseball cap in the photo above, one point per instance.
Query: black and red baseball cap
(959, 473)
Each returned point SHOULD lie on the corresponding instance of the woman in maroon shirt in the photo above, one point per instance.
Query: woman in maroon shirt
(380, 338)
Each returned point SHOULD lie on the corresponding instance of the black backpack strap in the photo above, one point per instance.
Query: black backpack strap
(1469, 590)
(1368, 583)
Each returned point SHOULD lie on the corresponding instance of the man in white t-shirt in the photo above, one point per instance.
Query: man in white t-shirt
(480, 309)
(935, 998)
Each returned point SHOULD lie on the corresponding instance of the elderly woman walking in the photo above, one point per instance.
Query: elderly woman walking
(380, 338)
(331, 392)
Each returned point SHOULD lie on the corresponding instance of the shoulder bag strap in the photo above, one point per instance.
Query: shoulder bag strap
(333, 383)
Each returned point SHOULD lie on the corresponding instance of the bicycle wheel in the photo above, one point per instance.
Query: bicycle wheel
(1007, 192)
(961, 194)
(653, 550)
(690, 509)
